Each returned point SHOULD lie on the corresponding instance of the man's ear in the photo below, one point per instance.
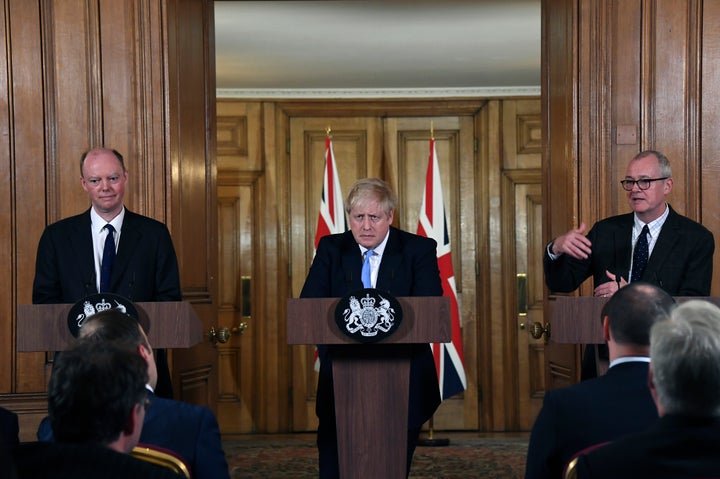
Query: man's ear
(606, 328)
(144, 352)
(133, 420)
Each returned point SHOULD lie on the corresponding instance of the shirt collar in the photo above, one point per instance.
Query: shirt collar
(379, 249)
(630, 359)
(98, 223)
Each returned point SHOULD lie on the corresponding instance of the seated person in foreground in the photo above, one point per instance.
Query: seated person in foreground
(612, 405)
(96, 404)
(185, 429)
(685, 383)
(9, 429)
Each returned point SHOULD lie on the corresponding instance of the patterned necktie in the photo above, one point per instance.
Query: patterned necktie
(366, 277)
(640, 255)
(108, 258)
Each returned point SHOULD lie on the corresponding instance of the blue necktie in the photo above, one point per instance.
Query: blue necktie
(640, 255)
(366, 277)
(108, 258)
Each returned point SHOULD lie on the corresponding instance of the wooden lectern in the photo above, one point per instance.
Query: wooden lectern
(371, 381)
(576, 319)
(43, 327)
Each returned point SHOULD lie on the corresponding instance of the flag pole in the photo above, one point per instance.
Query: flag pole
(431, 440)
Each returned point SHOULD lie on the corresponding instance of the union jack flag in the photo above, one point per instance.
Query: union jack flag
(432, 224)
(331, 218)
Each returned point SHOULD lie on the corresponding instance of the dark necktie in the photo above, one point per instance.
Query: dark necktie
(640, 255)
(108, 258)
(366, 276)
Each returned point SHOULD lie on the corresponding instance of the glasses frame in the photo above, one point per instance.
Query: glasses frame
(632, 183)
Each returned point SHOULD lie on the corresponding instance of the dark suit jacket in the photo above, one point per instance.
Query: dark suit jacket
(9, 430)
(586, 414)
(408, 268)
(38, 460)
(675, 447)
(681, 262)
(188, 430)
(145, 267)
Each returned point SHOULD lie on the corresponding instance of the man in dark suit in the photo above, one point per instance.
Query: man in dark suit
(685, 384)
(612, 405)
(70, 251)
(188, 430)
(680, 250)
(96, 404)
(403, 264)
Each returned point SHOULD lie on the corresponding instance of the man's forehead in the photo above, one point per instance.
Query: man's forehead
(369, 206)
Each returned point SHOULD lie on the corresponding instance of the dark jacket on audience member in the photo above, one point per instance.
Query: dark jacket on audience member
(589, 413)
(190, 431)
(675, 447)
(44, 460)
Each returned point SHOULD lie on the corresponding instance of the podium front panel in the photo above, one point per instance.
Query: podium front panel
(43, 327)
(426, 319)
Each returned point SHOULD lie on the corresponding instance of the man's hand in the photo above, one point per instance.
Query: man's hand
(573, 243)
(609, 288)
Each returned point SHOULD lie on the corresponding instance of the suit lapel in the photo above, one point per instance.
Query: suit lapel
(130, 238)
(81, 244)
(351, 263)
(391, 259)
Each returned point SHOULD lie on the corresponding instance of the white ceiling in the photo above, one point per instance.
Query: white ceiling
(399, 45)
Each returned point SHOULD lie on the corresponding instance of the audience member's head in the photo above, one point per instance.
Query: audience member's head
(630, 313)
(97, 395)
(124, 331)
(685, 361)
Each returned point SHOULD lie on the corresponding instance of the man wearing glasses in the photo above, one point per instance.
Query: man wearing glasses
(677, 252)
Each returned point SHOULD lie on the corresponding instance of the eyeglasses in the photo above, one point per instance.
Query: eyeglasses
(643, 183)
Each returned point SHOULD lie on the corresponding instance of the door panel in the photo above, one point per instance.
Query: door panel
(358, 153)
(408, 142)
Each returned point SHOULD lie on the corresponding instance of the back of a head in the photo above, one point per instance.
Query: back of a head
(94, 388)
(634, 309)
(373, 189)
(685, 358)
(113, 325)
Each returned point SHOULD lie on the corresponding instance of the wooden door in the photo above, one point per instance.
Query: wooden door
(407, 143)
(357, 145)
(510, 162)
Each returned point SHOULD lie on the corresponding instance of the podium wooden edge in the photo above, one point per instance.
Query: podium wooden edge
(576, 319)
(431, 312)
(43, 327)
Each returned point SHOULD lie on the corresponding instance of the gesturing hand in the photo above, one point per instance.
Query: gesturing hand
(609, 288)
(573, 243)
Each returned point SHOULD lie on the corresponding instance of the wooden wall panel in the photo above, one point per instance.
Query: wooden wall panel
(190, 168)
(80, 73)
(708, 184)
(642, 79)
(7, 260)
